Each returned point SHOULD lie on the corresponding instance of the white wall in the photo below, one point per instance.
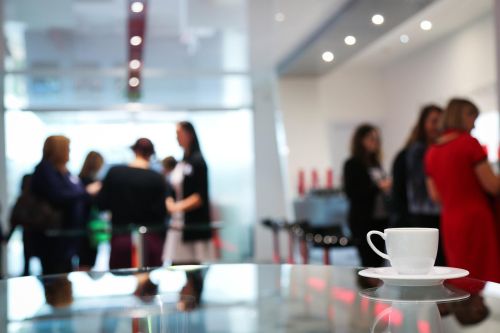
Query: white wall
(349, 96)
(320, 115)
(307, 136)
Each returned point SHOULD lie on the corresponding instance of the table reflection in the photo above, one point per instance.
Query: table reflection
(243, 298)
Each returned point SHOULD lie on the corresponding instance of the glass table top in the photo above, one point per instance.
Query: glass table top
(243, 298)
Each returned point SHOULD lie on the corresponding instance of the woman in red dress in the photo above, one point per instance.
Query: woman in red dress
(460, 178)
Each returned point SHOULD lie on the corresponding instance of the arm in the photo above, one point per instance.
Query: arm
(357, 182)
(488, 180)
(199, 189)
(190, 203)
(54, 185)
(102, 198)
(433, 193)
(196, 190)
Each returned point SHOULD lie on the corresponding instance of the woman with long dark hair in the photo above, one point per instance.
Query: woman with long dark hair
(87, 253)
(188, 240)
(189, 236)
(366, 185)
(411, 203)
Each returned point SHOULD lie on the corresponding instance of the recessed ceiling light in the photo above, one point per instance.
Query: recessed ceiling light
(134, 64)
(136, 40)
(327, 56)
(404, 39)
(279, 17)
(426, 25)
(377, 19)
(137, 6)
(350, 40)
(133, 82)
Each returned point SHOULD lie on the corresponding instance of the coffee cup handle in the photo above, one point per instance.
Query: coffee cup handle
(377, 251)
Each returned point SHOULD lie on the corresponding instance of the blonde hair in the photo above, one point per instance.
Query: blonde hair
(55, 150)
(453, 117)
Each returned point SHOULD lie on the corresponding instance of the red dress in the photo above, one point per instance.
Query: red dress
(469, 234)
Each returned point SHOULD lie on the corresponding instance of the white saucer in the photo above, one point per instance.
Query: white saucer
(414, 294)
(436, 276)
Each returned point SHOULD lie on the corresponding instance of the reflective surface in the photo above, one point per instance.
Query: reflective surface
(244, 298)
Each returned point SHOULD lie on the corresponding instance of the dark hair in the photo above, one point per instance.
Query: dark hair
(92, 164)
(418, 133)
(143, 147)
(359, 151)
(169, 163)
(194, 146)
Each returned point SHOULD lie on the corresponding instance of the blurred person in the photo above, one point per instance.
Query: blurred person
(461, 179)
(168, 164)
(92, 164)
(18, 217)
(367, 187)
(410, 201)
(189, 241)
(53, 182)
(135, 195)
(190, 207)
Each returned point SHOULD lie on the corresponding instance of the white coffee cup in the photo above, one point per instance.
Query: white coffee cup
(409, 250)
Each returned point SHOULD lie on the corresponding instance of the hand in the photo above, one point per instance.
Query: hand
(93, 188)
(385, 185)
(172, 206)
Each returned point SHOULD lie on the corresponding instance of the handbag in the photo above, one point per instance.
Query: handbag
(36, 214)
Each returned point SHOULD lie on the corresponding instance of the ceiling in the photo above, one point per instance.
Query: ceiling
(200, 53)
(388, 48)
(354, 19)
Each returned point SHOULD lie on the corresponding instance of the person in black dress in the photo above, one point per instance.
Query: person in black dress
(87, 253)
(366, 186)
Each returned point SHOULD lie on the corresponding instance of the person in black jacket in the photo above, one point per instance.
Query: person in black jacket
(410, 201)
(366, 185)
(190, 209)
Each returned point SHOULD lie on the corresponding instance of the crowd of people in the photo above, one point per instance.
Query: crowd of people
(440, 179)
(133, 193)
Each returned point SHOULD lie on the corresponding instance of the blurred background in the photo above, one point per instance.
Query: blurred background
(273, 87)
